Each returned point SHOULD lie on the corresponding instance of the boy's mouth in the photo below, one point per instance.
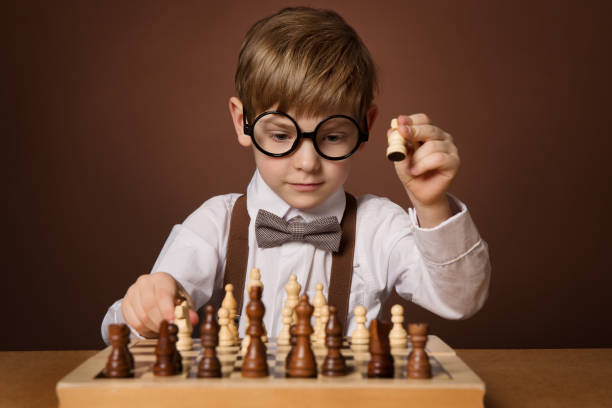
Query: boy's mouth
(306, 186)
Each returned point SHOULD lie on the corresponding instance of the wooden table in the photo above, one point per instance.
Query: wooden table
(514, 378)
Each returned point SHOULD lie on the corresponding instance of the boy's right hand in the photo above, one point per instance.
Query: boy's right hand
(150, 300)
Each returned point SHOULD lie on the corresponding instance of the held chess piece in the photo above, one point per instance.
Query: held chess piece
(381, 361)
(398, 337)
(360, 337)
(226, 337)
(334, 364)
(302, 363)
(396, 150)
(210, 366)
(164, 353)
(418, 361)
(183, 322)
(255, 360)
(229, 303)
(120, 361)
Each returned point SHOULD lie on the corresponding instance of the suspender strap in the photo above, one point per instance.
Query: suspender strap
(237, 253)
(342, 261)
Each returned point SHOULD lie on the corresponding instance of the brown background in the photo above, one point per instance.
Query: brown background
(116, 128)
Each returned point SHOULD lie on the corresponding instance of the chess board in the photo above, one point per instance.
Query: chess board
(453, 383)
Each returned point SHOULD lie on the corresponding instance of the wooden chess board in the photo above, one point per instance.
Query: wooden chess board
(453, 383)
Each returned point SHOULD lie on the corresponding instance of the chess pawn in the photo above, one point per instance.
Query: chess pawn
(255, 360)
(118, 364)
(183, 322)
(125, 339)
(398, 337)
(226, 337)
(210, 366)
(292, 288)
(396, 150)
(334, 364)
(418, 361)
(284, 336)
(318, 301)
(229, 303)
(360, 338)
(324, 318)
(176, 355)
(164, 353)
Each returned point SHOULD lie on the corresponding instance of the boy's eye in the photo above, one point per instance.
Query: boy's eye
(279, 137)
(333, 138)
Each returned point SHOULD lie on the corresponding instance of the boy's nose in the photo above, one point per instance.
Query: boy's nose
(306, 157)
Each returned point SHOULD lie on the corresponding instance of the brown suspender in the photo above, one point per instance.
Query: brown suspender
(342, 261)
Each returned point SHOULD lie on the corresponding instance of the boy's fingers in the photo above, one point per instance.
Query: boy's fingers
(193, 316)
(414, 119)
(434, 161)
(165, 302)
(423, 133)
(142, 315)
(430, 147)
(134, 322)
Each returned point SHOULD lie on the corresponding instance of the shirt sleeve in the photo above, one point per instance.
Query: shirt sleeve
(450, 271)
(194, 254)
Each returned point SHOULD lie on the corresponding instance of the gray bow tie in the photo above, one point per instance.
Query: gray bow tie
(323, 232)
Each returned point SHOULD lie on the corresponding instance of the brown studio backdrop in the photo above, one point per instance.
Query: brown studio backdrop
(117, 128)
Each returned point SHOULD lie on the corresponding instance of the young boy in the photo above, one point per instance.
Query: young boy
(305, 86)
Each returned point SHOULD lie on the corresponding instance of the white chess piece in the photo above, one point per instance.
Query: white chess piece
(284, 336)
(323, 319)
(226, 337)
(360, 339)
(293, 289)
(318, 301)
(183, 322)
(398, 337)
(229, 303)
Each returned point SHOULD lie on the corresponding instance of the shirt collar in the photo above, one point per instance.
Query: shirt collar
(261, 196)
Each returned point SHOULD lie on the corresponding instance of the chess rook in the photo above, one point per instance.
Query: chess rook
(418, 360)
(120, 361)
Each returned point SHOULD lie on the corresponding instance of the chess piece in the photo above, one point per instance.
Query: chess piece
(396, 150)
(334, 364)
(398, 337)
(293, 289)
(318, 301)
(229, 303)
(119, 364)
(302, 363)
(361, 336)
(418, 361)
(164, 353)
(255, 280)
(176, 355)
(125, 340)
(323, 319)
(183, 322)
(255, 360)
(284, 336)
(292, 342)
(226, 337)
(381, 361)
(210, 366)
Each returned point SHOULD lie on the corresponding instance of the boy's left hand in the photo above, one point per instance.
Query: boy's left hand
(427, 173)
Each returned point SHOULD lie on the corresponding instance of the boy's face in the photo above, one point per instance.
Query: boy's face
(303, 179)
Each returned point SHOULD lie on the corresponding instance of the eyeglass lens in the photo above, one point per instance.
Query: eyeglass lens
(276, 134)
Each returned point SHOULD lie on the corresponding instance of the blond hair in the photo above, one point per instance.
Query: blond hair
(307, 60)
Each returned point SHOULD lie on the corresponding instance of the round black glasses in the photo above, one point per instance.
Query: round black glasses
(277, 134)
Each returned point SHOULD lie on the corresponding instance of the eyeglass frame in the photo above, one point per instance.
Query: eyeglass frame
(249, 130)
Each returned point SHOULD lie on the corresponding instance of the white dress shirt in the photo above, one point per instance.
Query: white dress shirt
(444, 269)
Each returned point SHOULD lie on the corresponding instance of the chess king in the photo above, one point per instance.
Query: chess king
(304, 106)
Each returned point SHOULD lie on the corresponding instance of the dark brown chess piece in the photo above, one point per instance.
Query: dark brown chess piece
(177, 359)
(302, 363)
(292, 341)
(119, 364)
(210, 366)
(381, 361)
(125, 334)
(418, 361)
(164, 354)
(334, 364)
(255, 360)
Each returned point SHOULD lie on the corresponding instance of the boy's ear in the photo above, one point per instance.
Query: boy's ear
(371, 116)
(235, 107)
